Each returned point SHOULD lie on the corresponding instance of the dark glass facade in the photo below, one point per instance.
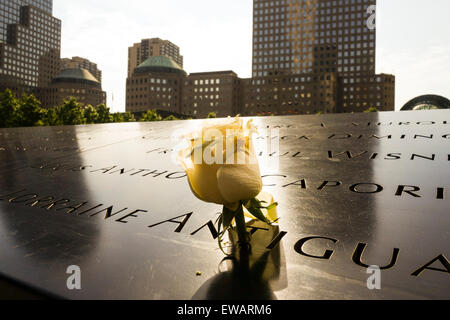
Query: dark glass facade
(10, 12)
(312, 38)
(30, 55)
(300, 36)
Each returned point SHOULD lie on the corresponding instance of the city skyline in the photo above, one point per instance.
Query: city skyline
(210, 41)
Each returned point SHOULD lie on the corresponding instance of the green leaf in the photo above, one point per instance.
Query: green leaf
(253, 206)
(227, 216)
(273, 205)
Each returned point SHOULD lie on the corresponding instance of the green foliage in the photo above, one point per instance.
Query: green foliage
(91, 114)
(51, 118)
(104, 115)
(8, 108)
(150, 115)
(371, 109)
(27, 111)
(128, 117)
(117, 117)
(212, 115)
(171, 118)
(71, 112)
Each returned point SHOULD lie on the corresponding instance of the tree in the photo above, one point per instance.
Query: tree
(371, 109)
(8, 108)
(51, 118)
(212, 115)
(29, 112)
(104, 115)
(128, 117)
(91, 114)
(71, 112)
(117, 117)
(150, 115)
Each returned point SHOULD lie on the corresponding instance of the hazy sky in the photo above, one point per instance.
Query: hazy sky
(413, 41)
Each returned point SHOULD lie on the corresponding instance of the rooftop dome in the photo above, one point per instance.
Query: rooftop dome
(427, 102)
(77, 75)
(159, 64)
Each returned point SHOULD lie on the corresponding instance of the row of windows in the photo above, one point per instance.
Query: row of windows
(77, 91)
(378, 79)
(359, 97)
(206, 82)
(363, 104)
(347, 47)
(211, 104)
(284, 89)
(258, 4)
(144, 96)
(306, 78)
(304, 95)
(310, 43)
(151, 104)
(207, 97)
(304, 34)
(152, 80)
(157, 89)
(217, 89)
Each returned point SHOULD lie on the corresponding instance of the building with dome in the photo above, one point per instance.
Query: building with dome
(155, 84)
(78, 83)
(427, 102)
(80, 62)
(147, 48)
(160, 83)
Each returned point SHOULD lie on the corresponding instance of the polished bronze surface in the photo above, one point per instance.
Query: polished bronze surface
(353, 190)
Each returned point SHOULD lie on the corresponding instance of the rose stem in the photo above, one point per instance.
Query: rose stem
(240, 226)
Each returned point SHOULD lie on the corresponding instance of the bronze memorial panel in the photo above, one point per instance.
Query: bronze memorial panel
(354, 190)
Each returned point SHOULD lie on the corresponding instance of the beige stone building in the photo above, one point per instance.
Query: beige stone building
(207, 92)
(155, 84)
(361, 92)
(154, 47)
(79, 62)
(78, 83)
(160, 83)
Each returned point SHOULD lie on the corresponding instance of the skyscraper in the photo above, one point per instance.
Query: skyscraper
(299, 36)
(30, 41)
(154, 47)
(322, 36)
(10, 12)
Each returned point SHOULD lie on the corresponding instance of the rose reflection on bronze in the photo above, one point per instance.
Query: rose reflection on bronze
(253, 271)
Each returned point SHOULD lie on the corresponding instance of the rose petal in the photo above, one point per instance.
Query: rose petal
(203, 182)
(239, 182)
